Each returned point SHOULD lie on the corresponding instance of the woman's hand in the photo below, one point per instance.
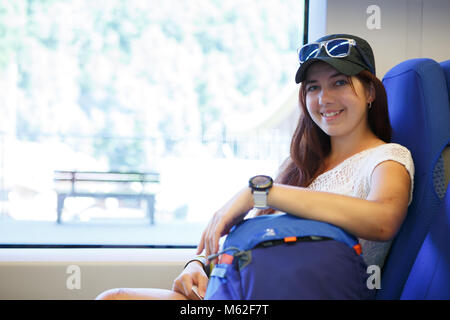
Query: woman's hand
(192, 275)
(222, 221)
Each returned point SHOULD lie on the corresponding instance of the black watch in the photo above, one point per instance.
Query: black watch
(260, 186)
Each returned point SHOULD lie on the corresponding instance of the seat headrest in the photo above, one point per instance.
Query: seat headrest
(418, 110)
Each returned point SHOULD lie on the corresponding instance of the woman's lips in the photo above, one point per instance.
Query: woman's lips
(331, 115)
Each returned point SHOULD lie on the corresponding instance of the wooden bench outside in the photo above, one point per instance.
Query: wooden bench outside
(74, 178)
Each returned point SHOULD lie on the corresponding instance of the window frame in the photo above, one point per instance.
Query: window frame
(4, 247)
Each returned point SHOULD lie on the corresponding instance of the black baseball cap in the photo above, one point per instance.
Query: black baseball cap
(360, 58)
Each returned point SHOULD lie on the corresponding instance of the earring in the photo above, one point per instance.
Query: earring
(370, 104)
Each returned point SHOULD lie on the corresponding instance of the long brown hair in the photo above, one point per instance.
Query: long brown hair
(310, 145)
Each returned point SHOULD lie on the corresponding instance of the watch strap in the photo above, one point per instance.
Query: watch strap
(260, 199)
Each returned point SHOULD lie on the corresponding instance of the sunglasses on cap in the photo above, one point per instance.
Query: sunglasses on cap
(335, 48)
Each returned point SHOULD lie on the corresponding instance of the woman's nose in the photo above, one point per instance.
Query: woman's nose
(325, 97)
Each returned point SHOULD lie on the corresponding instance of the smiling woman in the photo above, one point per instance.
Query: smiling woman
(370, 194)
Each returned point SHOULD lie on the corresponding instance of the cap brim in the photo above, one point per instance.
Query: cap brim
(343, 66)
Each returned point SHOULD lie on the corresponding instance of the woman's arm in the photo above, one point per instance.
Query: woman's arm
(225, 218)
(377, 218)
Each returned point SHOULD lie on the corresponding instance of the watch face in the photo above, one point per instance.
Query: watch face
(261, 182)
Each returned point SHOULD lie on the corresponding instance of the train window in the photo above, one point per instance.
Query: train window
(131, 122)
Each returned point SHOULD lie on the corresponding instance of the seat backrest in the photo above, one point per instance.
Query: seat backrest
(430, 276)
(446, 67)
(420, 115)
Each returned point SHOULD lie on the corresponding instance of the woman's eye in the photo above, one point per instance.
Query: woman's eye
(311, 88)
(341, 82)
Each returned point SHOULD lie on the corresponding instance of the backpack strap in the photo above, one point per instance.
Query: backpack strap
(284, 228)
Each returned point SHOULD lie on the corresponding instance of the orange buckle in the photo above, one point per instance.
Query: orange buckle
(290, 239)
(357, 248)
(226, 258)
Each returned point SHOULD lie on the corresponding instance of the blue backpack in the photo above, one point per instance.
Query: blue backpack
(281, 256)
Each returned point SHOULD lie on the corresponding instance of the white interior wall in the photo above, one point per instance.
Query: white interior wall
(409, 28)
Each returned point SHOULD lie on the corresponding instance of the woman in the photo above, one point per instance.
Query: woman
(342, 169)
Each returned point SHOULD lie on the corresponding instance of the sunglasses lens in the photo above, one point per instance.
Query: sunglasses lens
(338, 48)
(308, 51)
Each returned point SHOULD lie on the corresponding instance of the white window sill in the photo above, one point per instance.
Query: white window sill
(95, 255)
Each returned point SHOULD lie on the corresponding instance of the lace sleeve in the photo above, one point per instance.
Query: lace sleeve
(395, 152)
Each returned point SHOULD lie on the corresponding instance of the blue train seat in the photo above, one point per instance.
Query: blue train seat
(420, 115)
(430, 276)
(446, 66)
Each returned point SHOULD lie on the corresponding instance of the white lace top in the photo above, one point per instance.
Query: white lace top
(352, 177)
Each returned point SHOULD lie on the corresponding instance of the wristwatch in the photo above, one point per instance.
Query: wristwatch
(260, 186)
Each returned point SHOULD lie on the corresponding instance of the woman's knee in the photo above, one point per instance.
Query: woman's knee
(140, 294)
(114, 294)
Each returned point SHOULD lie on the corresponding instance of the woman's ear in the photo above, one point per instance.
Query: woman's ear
(370, 92)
